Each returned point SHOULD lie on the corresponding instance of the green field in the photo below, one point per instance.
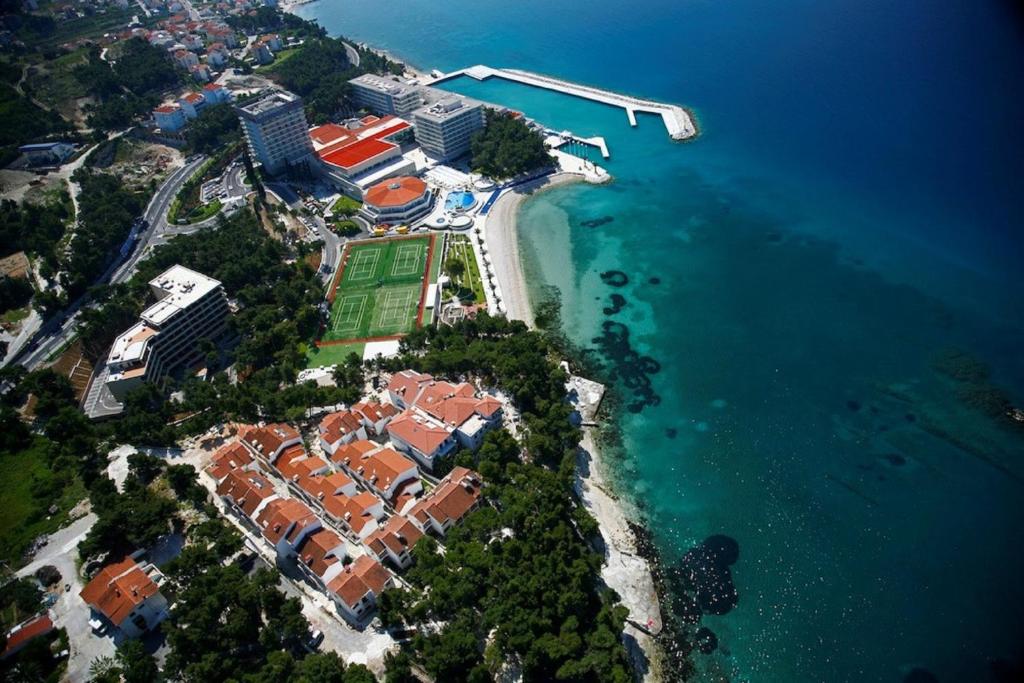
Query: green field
(29, 489)
(319, 356)
(379, 291)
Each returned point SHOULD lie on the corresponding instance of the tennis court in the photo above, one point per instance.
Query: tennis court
(379, 289)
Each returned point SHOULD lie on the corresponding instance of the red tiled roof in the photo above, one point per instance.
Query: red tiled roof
(395, 191)
(354, 511)
(118, 589)
(357, 153)
(300, 468)
(336, 426)
(167, 109)
(247, 489)
(314, 550)
(266, 440)
(323, 486)
(380, 468)
(398, 534)
(228, 457)
(20, 635)
(374, 411)
(407, 384)
(418, 432)
(452, 499)
(279, 516)
(329, 133)
(359, 578)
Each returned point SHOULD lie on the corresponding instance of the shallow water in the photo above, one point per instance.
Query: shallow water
(851, 211)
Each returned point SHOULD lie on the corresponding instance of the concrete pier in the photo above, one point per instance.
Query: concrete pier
(677, 121)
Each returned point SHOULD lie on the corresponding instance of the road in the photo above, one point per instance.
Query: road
(70, 611)
(59, 330)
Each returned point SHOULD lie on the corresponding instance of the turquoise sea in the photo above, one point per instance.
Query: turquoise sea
(823, 308)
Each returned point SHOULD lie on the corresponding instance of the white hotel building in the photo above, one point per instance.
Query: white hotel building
(444, 128)
(276, 131)
(189, 307)
(443, 121)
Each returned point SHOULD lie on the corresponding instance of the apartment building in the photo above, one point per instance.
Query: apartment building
(190, 306)
(385, 94)
(444, 128)
(276, 131)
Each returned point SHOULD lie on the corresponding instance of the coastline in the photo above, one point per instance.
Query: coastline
(625, 570)
(501, 235)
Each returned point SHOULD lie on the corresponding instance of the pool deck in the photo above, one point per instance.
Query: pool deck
(677, 120)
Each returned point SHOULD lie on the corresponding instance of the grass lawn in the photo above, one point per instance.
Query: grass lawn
(332, 355)
(345, 206)
(469, 283)
(279, 59)
(379, 291)
(204, 211)
(22, 516)
(15, 315)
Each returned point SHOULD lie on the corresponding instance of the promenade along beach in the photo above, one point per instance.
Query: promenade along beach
(810, 314)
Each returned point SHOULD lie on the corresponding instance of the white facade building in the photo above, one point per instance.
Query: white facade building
(444, 128)
(385, 94)
(189, 307)
(276, 131)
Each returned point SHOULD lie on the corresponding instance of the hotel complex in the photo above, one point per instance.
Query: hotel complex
(386, 95)
(443, 121)
(276, 131)
(189, 307)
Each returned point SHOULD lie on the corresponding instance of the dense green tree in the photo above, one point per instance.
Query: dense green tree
(214, 129)
(507, 147)
(137, 665)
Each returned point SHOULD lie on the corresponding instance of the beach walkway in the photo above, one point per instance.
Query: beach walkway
(677, 121)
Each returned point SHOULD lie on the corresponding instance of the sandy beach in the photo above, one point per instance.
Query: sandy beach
(502, 241)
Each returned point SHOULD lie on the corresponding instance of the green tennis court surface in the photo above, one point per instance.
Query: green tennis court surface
(379, 291)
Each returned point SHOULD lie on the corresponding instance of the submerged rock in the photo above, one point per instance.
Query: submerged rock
(706, 640)
(615, 278)
(618, 301)
(597, 222)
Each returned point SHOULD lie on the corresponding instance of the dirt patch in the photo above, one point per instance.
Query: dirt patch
(73, 365)
(137, 162)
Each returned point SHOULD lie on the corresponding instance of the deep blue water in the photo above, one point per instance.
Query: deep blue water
(851, 211)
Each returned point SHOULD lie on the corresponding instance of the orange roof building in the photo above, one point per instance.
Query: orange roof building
(321, 554)
(375, 416)
(268, 441)
(359, 513)
(422, 436)
(321, 486)
(127, 596)
(285, 523)
(25, 632)
(229, 457)
(405, 387)
(394, 540)
(397, 200)
(340, 428)
(246, 492)
(382, 470)
(455, 497)
(356, 588)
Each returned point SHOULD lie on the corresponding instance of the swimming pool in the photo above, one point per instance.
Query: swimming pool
(459, 201)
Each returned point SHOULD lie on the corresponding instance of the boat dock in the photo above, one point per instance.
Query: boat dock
(677, 121)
